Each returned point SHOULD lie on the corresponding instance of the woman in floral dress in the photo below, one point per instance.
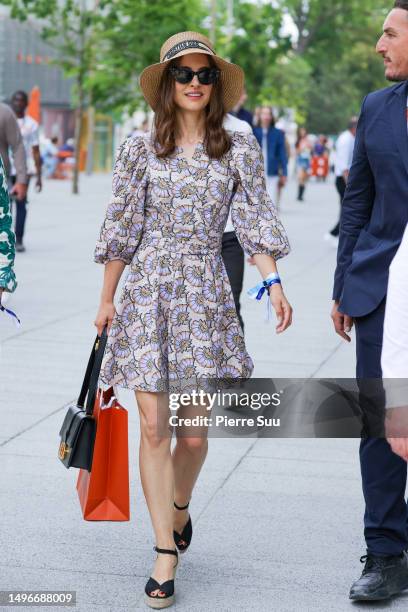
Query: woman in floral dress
(7, 238)
(176, 318)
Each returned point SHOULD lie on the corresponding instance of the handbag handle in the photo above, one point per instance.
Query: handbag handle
(90, 383)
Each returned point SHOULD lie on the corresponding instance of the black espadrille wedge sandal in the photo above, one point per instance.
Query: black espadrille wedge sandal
(183, 539)
(159, 601)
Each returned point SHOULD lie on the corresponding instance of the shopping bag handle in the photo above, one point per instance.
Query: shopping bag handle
(90, 383)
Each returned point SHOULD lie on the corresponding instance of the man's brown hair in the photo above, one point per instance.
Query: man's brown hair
(402, 4)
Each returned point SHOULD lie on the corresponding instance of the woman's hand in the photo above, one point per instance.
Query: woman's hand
(282, 308)
(104, 316)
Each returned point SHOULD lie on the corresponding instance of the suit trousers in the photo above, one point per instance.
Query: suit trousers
(341, 190)
(384, 474)
(234, 262)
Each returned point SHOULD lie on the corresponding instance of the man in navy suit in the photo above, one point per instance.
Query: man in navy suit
(374, 215)
(272, 142)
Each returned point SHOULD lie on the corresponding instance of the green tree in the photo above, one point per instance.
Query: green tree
(129, 38)
(69, 26)
(256, 44)
(288, 85)
(337, 41)
(104, 44)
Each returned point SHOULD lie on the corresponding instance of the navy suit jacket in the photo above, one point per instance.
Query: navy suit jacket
(245, 115)
(375, 205)
(277, 157)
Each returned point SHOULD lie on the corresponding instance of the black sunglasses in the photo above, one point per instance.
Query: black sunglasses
(184, 75)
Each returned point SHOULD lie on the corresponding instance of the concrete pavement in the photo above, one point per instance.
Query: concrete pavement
(278, 523)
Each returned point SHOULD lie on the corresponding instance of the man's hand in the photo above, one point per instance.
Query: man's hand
(19, 191)
(396, 430)
(399, 446)
(342, 323)
(38, 184)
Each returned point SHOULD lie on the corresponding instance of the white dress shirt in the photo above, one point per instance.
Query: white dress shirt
(344, 152)
(233, 124)
(394, 359)
(29, 129)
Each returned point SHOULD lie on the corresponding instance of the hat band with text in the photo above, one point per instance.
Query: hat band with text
(186, 44)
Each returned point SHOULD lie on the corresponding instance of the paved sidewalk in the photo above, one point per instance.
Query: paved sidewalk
(278, 523)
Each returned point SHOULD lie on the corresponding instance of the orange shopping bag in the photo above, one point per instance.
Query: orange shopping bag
(104, 491)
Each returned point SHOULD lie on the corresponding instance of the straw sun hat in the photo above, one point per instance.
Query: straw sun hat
(232, 76)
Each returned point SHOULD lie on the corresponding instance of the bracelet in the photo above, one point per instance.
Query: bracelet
(257, 292)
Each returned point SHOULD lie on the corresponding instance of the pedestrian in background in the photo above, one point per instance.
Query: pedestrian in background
(50, 157)
(320, 147)
(343, 161)
(320, 158)
(232, 252)
(10, 139)
(257, 116)
(29, 129)
(177, 300)
(373, 219)
(240, 112)
(282, 183)
(272, 142)
(7, 239)
(303, 159)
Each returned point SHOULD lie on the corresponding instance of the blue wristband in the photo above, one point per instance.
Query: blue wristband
(257, 292)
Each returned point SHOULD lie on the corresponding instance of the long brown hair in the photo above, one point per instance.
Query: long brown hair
(216, 141)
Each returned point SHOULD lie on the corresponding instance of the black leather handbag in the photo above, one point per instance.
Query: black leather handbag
(79, 427)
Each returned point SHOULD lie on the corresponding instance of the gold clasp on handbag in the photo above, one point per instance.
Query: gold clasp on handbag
(63, 450)
(97, 345)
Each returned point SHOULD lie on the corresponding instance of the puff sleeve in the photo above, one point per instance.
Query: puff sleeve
(7, 239)
(253, 213)
(122, 227)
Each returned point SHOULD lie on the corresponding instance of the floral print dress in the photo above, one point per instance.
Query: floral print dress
(176, 318)
(7, 239)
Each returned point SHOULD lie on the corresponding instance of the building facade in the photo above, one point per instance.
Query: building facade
(26, 61)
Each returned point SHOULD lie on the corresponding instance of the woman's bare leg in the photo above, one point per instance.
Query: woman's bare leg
(168, 477)
(188, 457)
(156, 471)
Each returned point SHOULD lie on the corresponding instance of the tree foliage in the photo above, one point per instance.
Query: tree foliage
(336, 40)
(70, 27)
(129, 38)
(322, 68)
(256, 43)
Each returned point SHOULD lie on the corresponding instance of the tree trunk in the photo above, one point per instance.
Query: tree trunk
(78, 136)
(90, 148)
(213, 23)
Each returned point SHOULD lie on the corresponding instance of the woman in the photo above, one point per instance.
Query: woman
(304, 153)
(257, 116)
(7, 238)
(176, 317)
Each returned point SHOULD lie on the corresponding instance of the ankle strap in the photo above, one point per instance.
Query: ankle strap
(181, 507)
(165, 551)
